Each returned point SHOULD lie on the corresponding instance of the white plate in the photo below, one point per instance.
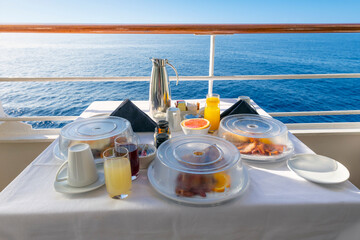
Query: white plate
(63, 186)
(249, 158)
(319, 169)
(212, 199)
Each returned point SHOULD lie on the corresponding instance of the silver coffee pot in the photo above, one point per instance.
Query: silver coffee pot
(159, 95)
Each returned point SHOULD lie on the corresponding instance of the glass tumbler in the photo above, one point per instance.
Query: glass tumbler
(130, 142)
(117, 172)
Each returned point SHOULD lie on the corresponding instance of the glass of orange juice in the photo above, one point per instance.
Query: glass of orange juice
(117, 172)
(212, 111)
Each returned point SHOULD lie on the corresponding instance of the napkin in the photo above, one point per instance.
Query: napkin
(140, 121)
(239, 107)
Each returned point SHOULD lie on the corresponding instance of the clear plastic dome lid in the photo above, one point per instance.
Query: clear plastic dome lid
(258, 138)
(96, 128)
(198, 154)
(253, 126)
(98, 132)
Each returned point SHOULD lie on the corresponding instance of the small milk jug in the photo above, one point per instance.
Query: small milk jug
(159, 95)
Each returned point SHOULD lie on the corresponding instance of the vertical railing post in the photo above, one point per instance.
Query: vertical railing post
(211, 63)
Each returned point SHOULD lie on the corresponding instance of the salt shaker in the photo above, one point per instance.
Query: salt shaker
(173, 116)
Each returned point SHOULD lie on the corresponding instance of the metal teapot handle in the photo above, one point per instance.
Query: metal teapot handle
(177, 76)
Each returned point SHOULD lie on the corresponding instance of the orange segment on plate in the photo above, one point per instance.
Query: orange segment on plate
(266, 140)
(196, 123)
(223, 181)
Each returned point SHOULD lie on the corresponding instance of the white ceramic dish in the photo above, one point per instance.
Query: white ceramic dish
(146, 160)
(318, 169)
(63, 187)
(192, 131)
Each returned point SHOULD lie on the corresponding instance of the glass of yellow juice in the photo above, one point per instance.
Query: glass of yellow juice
(117, 172)
(212, 111)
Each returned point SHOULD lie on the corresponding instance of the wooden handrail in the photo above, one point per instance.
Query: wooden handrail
(200, 29)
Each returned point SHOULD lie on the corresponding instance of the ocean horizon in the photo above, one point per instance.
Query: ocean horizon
(76, 55)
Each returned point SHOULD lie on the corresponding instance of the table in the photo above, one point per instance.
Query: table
(278, 204)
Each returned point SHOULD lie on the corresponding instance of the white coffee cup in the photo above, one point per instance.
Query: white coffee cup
(173, 116)
(81, 170)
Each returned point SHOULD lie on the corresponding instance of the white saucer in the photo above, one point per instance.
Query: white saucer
(63, 186)
(319, 169)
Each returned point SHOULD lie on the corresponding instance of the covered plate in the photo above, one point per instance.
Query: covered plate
(98, 132)
(257, 138)
(198, 169)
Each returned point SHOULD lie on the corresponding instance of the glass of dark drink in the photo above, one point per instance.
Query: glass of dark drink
(130, 142)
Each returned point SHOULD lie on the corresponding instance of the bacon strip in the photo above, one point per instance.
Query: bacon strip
(254, 146)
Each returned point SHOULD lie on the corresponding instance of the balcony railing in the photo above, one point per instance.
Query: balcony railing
(205, 29)
(200, 29)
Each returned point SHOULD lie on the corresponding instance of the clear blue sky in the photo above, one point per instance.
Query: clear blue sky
(184, 11)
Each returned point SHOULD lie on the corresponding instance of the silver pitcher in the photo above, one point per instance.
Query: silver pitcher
(160, 96)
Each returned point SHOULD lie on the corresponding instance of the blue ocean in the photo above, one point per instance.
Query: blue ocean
(76, 55)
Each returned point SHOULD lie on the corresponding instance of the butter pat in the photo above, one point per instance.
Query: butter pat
(181, 105)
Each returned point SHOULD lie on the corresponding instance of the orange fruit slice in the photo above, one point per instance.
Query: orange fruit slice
(223, 181)
(265, 140)
(196, 123)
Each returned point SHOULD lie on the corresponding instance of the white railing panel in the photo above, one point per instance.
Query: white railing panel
(314, 113)
(40, 118)
(211, 63)
(188, 78)
(273, 114)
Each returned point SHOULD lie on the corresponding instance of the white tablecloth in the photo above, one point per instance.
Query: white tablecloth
(278, 204)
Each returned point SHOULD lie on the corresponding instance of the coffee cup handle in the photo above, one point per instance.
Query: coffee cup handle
(58, 172)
